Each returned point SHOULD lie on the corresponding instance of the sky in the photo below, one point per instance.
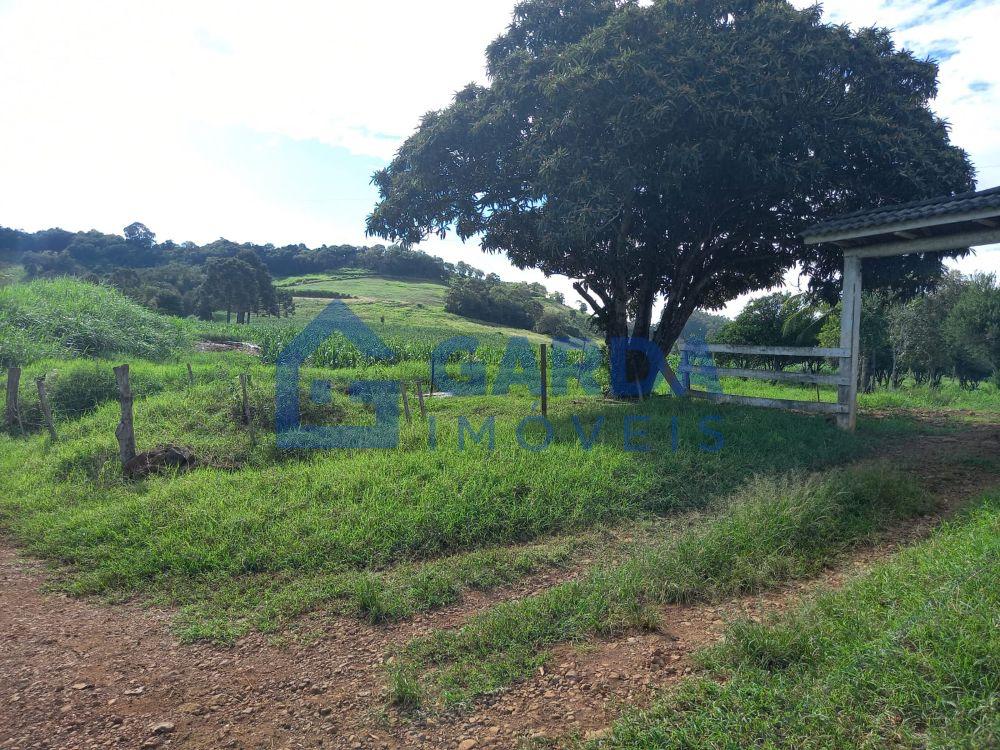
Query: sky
(263, 121)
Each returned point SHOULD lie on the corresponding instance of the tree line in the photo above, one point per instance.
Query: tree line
(188, 279)
(951, 331)
(58, 252)
(156, 275)
(473, 294)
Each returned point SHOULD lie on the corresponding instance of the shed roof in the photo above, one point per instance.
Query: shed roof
(930, 208)
(936, 224)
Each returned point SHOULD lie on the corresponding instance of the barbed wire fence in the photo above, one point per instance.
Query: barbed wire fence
(25, 417)
(58, 400)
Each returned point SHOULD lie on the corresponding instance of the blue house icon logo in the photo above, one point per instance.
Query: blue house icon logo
(519, 366)
(383, 395)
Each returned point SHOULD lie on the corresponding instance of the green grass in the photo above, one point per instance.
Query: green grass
(225, 609)
(407, 314)
(69, 318)
(907, 656)
(949, 396)
(773, 530)
(363, 286)
(280, 519)
(10, 274)
(409, 328)
(255, 536)
(984, 400)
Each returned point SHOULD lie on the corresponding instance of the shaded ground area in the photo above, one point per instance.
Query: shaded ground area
(75, 673)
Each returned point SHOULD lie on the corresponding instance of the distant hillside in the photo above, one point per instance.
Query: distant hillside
(188, 279)
(478, 297)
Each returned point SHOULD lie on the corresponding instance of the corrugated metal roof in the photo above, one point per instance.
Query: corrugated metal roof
(932, 208)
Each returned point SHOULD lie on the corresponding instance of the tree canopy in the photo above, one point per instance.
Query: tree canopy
(674, 151)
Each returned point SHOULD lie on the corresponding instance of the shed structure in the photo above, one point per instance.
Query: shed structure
(936, 225)
(951, 222)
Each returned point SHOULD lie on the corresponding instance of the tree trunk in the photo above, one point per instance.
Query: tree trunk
(616, 328)
(672, 322)
(637, 365)
(229, 316)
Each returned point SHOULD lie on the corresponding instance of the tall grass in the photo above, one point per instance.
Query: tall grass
(907, 656)
(250, 509)
(71, 318)
(773, 530)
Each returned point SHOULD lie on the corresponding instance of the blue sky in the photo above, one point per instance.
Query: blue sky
(263, 121)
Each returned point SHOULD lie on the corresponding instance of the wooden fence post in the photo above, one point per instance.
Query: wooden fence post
(13, 414)
(406, 401)
(850, 339)
(544, 361)
(685, 364)
(126, 429)
(430, 393)
(43, 401)
(420, 398)
(247, 416)
(190, 375)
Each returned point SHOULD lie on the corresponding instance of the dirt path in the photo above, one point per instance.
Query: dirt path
(77, 674)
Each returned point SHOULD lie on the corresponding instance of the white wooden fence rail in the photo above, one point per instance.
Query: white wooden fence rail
(841, 379)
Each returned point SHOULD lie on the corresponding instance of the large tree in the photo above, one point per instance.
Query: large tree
(673, 151)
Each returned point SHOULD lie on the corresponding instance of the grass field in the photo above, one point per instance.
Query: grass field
(66, 318)
(370, 287)
(907, 656)
(295, 516)
(633, 505)
(910, 395)
(409, 316)
(770, 531)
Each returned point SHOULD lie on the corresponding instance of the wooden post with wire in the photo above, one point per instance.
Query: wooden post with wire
(125, 431)
(406, 402)
(190, 375)
(420, 398)
(544, 363)
(685, 371)
(247, 416)
(12, 413)
(43, 402)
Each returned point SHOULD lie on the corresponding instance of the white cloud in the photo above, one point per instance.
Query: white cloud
(101, 101)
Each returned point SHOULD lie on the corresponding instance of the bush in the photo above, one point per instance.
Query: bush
(80, 387)
(558, 324)
(493, 301)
